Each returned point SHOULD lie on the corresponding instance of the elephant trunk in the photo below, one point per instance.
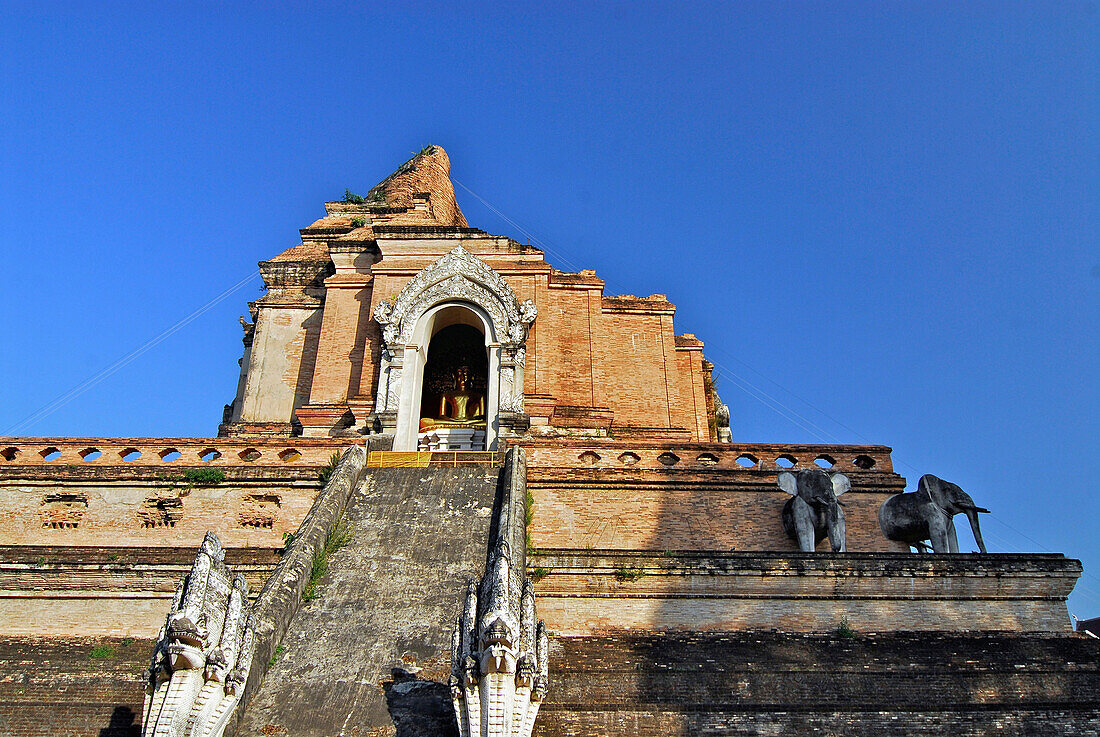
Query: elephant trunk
(972, 515)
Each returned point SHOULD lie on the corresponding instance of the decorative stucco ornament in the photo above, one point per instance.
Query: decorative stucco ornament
(383, 315)
(204, 653)
(722, 420)
(499, 648)
(457, 276)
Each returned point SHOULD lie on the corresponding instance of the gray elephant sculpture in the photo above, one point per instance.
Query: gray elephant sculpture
(813, 511)
(927, 514)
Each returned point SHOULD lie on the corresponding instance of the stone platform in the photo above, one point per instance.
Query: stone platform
(916, 684)
(585, 592)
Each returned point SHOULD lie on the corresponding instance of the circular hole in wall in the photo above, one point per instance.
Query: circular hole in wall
(589, 458)
(668, 459)
(863, 461)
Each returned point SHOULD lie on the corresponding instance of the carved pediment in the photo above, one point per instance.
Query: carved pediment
(459, 276)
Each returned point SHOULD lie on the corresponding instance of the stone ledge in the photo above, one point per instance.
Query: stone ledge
(918, 684)
(587, 592)
(88, 591)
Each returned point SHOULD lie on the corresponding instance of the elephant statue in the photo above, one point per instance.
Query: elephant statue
(813, 511)
(927, 514)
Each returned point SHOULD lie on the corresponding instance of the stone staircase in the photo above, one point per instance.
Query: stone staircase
(390, 599)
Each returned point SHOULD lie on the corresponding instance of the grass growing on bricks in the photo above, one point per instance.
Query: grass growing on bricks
(102, 652)
(844, 631)
(326, 472)
(528, 518)
(539, 573)
(203, 476)
(629, 574)
(338, 536)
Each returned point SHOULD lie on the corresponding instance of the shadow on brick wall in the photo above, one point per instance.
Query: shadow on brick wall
(123, 724)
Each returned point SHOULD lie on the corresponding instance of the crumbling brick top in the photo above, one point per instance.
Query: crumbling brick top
(585, 277)
(306, 251)
(436, 230)
(429, 171)
(418, 198)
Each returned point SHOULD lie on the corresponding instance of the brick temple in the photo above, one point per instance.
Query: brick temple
(405, 261)
(461, 492)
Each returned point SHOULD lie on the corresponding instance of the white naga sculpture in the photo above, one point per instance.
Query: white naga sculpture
(499, 650)
(202, 658)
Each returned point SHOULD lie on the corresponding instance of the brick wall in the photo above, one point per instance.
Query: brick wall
(72, 687)
(89, 495)
(586, 350)
(136, 513)
(584, 592)
(692, 496)
(96, 591)
(921, 684)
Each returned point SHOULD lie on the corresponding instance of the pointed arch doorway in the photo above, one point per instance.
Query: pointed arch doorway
(457, 291)
(454, 412)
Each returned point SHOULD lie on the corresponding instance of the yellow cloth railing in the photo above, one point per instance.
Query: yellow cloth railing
(423, 459)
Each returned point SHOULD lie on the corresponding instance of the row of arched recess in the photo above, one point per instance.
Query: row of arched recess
(744, 460)
(166, 455)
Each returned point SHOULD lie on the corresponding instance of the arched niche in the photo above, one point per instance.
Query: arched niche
(457, 289)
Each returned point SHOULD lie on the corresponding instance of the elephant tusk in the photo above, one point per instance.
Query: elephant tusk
(974, 507)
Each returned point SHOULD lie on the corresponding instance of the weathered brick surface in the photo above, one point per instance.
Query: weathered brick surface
(590, 592)
(20, 456)
(88, 495)
(672, 515)
(96, 591)
(783, 684)
(607, 361)
(152, 513)
(625, 494)
(54, 686)
(390, 599)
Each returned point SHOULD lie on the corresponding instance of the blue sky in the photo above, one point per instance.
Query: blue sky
(881, 217)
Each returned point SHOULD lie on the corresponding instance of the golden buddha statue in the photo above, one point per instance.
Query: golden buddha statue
(460, 408)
